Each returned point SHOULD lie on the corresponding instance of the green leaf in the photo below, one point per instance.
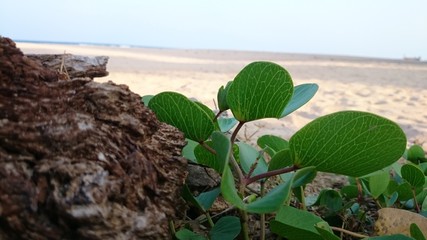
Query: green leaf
(177, 110)
(413, 175)
(325, 231)
(416, 232)
(188, 150)
(423, 167)
(206, 199)
(330, 199)
(392, 187)
(378, 183)
(225, 228)
(146, 99)
(350, 143)
(222, 146)
(209, 112)
(222, 97)
(416, 154)
(421, 194)
(391, 200)
(207, 158)
(228, 188)
(280, 160)
(188, 196)
(424, 206)
(302, 94)
(272, 144)
(295, 224)
(405, 191)
(272, 201)
(304, 176)
(248, 156)
(349, 191)
(185, 234)
(225, 124)
(260, 90)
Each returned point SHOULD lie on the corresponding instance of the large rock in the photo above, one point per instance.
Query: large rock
(80, 159)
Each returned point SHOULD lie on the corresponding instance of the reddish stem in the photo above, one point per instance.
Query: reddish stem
(217, 116)
(233, 136)
(270, 174)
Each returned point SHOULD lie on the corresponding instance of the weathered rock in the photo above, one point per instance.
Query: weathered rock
(72, 66)
(80, 159)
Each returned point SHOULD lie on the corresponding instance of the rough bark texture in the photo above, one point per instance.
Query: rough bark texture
(80, 159)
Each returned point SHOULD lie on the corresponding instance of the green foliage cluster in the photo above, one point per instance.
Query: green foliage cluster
(360, 145)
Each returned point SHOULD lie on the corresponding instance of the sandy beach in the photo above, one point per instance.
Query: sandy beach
(395, 89)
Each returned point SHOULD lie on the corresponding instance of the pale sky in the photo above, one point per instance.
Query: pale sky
(369, 28)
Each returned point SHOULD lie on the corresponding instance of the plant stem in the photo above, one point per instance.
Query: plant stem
(233, 161)
(245, 227)
(233, 136)
(262, 216)
(360, 191)
(238, 171)
(254, 165)
(358, 235)
(243, 214)
(217, 116)
(208, 217)
(415, 200)
(270, 174)
(304, 207)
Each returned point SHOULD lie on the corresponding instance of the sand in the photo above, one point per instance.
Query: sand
(395, 89)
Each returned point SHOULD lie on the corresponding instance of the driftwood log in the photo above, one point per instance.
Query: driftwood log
(80, 159)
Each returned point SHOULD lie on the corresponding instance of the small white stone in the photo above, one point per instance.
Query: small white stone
(101, 157)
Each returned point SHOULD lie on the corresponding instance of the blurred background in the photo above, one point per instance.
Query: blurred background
(380, 29)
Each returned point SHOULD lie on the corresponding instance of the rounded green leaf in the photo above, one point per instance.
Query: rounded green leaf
(416, 232)
(350, 143)
(222, 146)
(405, 191)
(424, 205)
(378, 183)
(272, 201)
(146, 99)
(228, 188)
(203, 156)
(222, 97)
(226, 124)
(185, 234)
(349, 191)
(413, 175)
(416, 154)
(227, 227)
(248, 155)
(295, 224)
(182, 113)
(304, 176)
(272, 144)
(302, 94)
(188, 150)
(280, 160)
(330, 199)
(206, 199)
(325, 231)
(260, 90)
